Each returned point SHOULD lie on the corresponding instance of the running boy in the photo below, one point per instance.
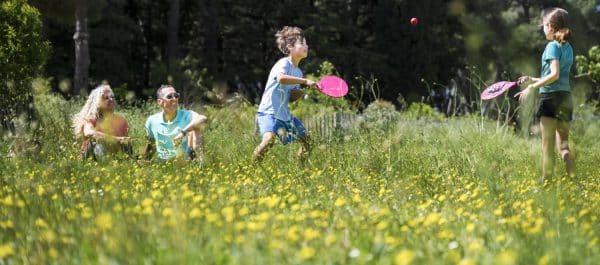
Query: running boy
(274, 117)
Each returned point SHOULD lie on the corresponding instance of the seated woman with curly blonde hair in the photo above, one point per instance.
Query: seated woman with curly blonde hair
(103, 131)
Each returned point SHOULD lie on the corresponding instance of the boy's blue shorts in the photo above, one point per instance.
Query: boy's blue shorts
(286, 131)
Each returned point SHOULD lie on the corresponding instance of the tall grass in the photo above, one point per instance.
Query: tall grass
(415, 189)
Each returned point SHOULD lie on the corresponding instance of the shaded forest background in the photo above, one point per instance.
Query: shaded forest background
(212, 48)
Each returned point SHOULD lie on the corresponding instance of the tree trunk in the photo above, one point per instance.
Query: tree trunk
(173, 36)
(213, 39)
(82, 54)
(146, 29)
(524, 17)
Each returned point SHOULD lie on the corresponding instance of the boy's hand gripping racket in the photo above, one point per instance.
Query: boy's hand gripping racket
(497, 89)
(333, 86)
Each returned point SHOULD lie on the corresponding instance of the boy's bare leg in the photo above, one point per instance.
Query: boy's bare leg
(266, 142)
(305, 147)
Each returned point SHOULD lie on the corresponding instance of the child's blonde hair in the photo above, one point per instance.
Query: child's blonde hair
(288, 36)
(91, 109)
(558, 18)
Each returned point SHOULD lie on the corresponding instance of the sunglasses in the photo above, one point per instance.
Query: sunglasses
(173, 95)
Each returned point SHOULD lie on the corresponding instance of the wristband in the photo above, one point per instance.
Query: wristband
(184, 133)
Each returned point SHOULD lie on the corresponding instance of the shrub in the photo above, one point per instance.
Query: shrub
(422, 111)
(314, 96)
(590, 65)
(379, 115)
(22, 57)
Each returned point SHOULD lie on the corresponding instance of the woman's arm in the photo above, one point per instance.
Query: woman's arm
(90, 131)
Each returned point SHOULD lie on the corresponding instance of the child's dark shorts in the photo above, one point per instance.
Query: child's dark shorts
(558, 105)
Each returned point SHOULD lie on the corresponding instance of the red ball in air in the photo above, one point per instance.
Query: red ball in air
(414, 21)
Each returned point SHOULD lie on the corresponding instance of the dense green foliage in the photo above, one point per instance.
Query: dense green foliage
(228, 46)
(22, 57)
(414, 190)
(589, 66)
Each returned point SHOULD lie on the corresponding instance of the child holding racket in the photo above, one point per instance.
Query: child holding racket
(273, 117)
(556, 103)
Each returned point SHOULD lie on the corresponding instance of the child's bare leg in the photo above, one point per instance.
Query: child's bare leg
(305, 147)
(562, 142)
(264, 145)
(548, 126)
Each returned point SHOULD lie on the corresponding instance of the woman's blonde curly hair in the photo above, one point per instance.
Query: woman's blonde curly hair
(90, 111)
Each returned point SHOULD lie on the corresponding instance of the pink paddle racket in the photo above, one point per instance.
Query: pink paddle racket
(333, 86)
(497, 89)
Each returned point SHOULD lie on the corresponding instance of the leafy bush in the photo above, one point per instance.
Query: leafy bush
(314, 96)
(422, 111)
(379, 115)
(54, 122)
(22, 57)
(590, 65)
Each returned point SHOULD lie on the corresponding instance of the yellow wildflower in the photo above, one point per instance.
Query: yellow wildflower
(307, 252)
(544, 260)
(339, 202)
(404, 257)
(41, 223)
(104, 221)
(431, 219)
(330, 239)
(228, 213)
(310, 234)
(6, 250)
(53, 253)
(507, 257)
(195, 213)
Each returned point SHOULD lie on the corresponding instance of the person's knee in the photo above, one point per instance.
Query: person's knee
(548, 135)
(195, 139)
(305, 141)
(268, 137)
(565, 153)
(194, 134)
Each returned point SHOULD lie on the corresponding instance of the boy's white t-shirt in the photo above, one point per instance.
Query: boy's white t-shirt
(276, 97)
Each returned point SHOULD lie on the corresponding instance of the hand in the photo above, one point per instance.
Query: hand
(523, 79)
(310, 83)
(123, 139)
(178, 139)
(523, 94)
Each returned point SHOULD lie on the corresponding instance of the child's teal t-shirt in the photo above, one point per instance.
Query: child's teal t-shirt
(564, 55)
(163, 133)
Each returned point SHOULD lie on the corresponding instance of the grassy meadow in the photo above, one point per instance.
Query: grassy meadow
(397, 188)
